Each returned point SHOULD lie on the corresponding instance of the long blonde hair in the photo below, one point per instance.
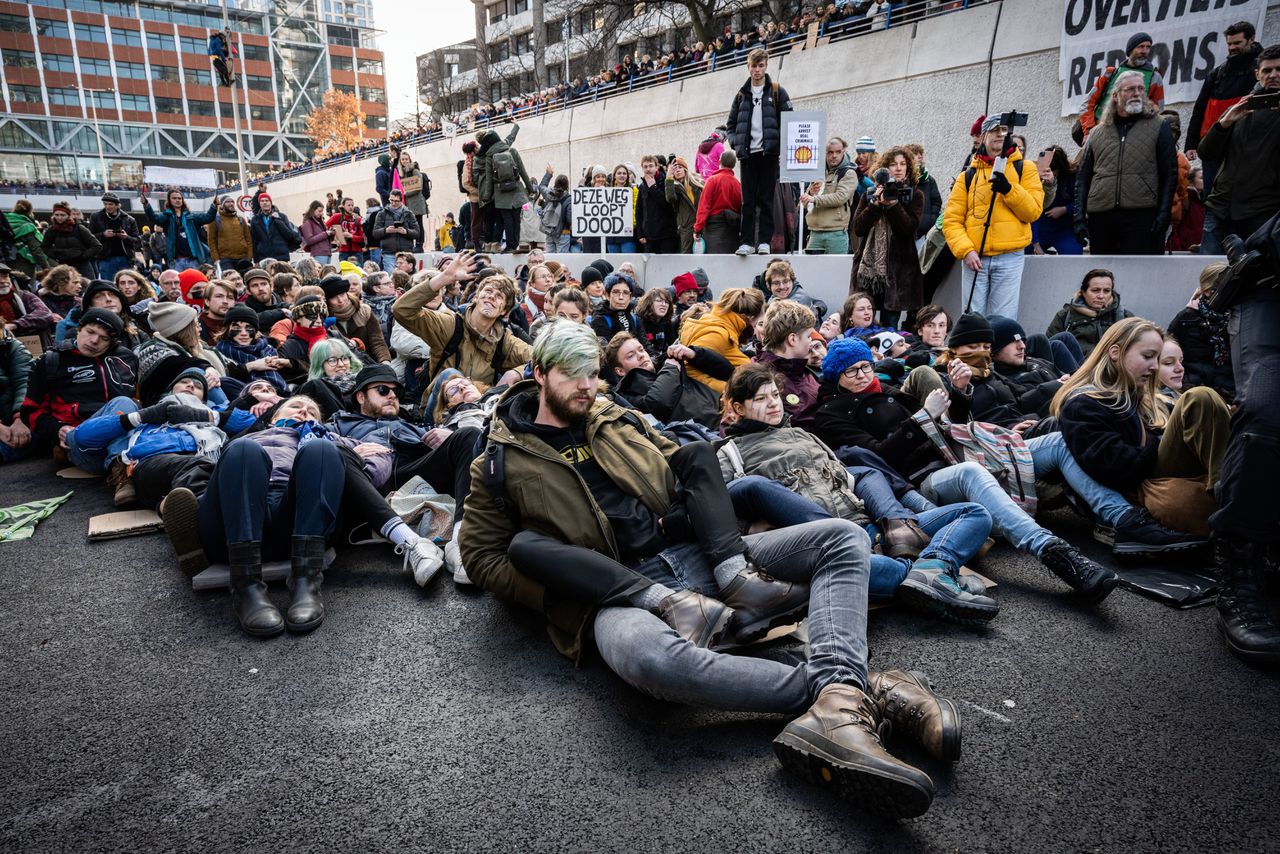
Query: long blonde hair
(1104, 378)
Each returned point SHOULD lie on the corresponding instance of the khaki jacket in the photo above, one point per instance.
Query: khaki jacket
(831, 207)
(229, 238)
(475, 353)
(547, 495)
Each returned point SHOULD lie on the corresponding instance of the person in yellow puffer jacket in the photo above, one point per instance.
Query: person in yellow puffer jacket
(720, 330)
(992, 249)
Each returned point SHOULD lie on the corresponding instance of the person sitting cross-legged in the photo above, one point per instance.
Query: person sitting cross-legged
(580, 510)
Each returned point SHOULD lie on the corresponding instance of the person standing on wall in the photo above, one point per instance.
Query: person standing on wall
(417, 189)
(755, 132)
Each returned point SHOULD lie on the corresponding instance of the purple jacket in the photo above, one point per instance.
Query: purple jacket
(33, 316)
(281, 444)
(799, 388)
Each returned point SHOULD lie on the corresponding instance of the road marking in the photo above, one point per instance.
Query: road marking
(988, 712)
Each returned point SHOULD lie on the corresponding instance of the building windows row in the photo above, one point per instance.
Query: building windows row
(126, 37)
(137, 103)
(24, 94)
(91, 33)
(371, 66)
(92, 65)
(64, 97)
(341, 62)
(44, 27)
(19, 58)
(131, 70)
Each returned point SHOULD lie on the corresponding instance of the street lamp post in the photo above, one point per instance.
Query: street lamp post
(97, 132)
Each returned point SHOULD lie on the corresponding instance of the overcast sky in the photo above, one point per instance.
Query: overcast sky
(413, 27)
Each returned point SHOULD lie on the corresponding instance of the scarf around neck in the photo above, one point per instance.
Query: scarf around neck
(310, 334)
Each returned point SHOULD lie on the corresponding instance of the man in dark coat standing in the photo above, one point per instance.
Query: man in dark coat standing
(118, 233)
(755, 132)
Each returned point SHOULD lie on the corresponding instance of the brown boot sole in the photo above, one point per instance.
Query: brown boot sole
(859, 779)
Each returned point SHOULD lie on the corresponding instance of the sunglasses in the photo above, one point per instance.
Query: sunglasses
(386, 390)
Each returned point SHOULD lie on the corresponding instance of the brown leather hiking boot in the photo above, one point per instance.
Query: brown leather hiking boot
(760, 603)
(837, 742)
(903, 538)
(118, 478)
(909, 703)
(180, 511)
(698, 619)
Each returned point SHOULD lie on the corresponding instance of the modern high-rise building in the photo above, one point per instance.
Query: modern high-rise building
(136, 76)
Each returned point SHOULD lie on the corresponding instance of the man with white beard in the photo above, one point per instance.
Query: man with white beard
(1127, 176)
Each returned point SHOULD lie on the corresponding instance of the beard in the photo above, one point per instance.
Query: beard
(570, 407)
(1132, 108)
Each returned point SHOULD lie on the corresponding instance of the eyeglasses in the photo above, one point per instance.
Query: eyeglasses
(386, 390)
(456, 387)
(853, 370)
(337, 360)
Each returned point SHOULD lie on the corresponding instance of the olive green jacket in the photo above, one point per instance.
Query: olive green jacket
(547, 495)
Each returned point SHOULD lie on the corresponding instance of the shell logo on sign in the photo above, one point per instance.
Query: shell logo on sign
(804, 154)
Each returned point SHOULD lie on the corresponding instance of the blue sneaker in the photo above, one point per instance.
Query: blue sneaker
(931, 587)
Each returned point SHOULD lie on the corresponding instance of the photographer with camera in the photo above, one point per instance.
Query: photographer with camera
(1128, 174)
(887, 265)
(987, 219)
(1245, 140)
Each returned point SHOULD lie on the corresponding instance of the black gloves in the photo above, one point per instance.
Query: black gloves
(180, 413)
(1000, 183)
(157, 413)
(1082, 233)
(1160, 226)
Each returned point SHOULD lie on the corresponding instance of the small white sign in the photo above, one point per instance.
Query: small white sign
(602, 212)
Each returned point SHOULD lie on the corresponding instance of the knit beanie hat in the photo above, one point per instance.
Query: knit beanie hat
(971, 328)
(589, 275)
(603, 266)
(102, 317)
(864, 143)
(189, 278)
(1135, 40)
(435, 395)
(700, 276)
(242, 314)
(310, 306)
(842, 354)
(157, 381)
(884, 341)
(98, 286)
(683, 283)
(1004, 331)
(976, 128)
(62, 206)
(170, 318)
(346, 268)
(334, 286)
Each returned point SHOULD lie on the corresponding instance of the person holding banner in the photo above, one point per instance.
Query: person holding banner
(1137, 59)
(184, 249)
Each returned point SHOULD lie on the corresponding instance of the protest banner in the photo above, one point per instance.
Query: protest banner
(602, 212)
(804, 144)
(168, 176)
(1187, 41)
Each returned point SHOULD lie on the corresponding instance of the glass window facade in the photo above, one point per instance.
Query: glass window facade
(160, 41)
(171, 106)
(341, 62)
(135, 102)
(190, 44)
(198, 76)
(56, 62)
(90, 33)
(24, 94)
(126, 37)
(164, 73)
(199, 108)
(15, 23)
(92, 65)
(131, 70)
(64, 97)
(20, 58)
(47, 28)
(370, 66)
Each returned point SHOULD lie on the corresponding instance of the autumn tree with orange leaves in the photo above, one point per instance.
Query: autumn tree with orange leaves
(336, 124)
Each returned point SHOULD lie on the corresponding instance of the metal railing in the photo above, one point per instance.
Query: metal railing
(898, 14)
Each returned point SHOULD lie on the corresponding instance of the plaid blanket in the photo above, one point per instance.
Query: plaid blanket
(997, 449)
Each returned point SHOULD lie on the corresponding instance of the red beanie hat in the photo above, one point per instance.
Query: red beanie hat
(684, 282)
(188, 279)
(977, 126)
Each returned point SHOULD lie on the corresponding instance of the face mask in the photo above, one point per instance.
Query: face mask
(979, 362)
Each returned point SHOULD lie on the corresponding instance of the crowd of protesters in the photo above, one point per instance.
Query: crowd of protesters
(671, 472)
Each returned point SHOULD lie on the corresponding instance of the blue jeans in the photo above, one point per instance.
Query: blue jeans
(375, 255)
(321, 259)
(563, 243)
(100, 439)
(831, 556)
(1210, 243)
(389, 261)
(108, 267)
(620, 244)
(830, 242)
(1050, 454)
(957, 531)
(8, 453)
(997, 286)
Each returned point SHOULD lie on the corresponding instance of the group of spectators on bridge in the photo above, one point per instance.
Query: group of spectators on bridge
(671, 472)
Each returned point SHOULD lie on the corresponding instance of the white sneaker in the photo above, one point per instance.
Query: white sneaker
(744, 249)
(762, 249)
(453, 558)
(424, 558)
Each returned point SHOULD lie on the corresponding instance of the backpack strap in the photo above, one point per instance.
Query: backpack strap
(731, 451)
(495, 477)
(450, 349)
(971, 171)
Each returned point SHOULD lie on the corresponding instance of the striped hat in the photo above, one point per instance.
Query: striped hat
(864, 143)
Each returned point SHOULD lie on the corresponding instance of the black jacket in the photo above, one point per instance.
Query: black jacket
(116, 247)
(268, 315)
(1206, 351)
(76, 245)
(881, 422)
(273, 236)
(655, 219)
(401, 217)
(1227, 82)
(671, 394)
(1248, 183)
(772, 106)
(608, 322)
(1034, 384)
(1110, 445)
(932, 204)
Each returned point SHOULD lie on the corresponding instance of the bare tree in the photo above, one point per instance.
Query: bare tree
(539, 44)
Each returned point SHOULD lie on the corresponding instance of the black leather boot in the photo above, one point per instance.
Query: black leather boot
(249, 602)
(306, 610)
(1244, 617)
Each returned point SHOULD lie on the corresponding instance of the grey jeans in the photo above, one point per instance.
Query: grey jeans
(832, 556)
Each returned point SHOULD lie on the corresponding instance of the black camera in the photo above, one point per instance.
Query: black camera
(891, 190)
(1013, 119)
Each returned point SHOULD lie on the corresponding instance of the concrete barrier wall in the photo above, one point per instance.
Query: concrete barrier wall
(1152, 287)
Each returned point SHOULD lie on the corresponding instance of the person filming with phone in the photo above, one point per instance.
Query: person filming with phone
(1245, 139)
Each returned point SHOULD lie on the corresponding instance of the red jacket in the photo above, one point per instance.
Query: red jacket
(351, 225)
(721, 193)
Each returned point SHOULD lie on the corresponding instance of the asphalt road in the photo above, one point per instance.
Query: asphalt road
(136, 717)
